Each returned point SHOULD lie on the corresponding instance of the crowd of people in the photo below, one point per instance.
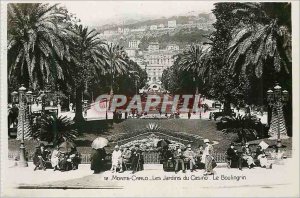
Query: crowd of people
(178, 158)
(237, 159)
(173, 158)
(44, 157)
(121, 159)
(185, 158)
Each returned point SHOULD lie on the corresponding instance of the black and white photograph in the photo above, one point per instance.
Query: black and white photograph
(149, 98)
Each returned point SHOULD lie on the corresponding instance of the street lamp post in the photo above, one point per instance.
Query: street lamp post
(21, 118)
(277, 99)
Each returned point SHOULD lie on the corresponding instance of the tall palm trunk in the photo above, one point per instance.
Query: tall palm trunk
(112, 78)
(78, 105)
(227, 107)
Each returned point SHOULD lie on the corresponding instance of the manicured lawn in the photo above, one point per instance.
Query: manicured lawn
(203, 128)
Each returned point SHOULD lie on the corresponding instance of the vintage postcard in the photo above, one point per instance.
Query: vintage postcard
(149, 99)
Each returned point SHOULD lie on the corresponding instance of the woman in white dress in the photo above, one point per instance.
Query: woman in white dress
(264, 162)
(116, 159)
(55, 158)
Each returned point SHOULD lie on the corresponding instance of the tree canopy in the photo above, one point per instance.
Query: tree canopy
(34, 44)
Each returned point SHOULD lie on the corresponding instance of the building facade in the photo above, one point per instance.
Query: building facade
(172, 47)
(134, 44)
(131, 52)
(153, 27)
(154, 46)
(157, 62)
(172, 24)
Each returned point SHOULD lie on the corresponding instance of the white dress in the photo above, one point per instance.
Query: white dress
(54, 158)
(264, 162)
(116, 158)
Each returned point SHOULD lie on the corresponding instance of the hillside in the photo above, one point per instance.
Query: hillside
(202, 17)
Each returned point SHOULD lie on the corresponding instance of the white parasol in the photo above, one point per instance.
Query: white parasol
(99, 142)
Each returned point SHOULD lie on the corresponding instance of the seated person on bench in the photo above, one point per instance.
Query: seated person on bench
(190, 157)
(247, 156)
(178, 156)
(74, 155)
(40, 157)
(262, 159)
(235, 159)
(167, 158)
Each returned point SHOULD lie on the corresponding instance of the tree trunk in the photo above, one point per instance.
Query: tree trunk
(227, 107)
(78, 106)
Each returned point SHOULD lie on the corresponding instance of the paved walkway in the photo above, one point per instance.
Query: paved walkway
(93, 115)
(147, 182)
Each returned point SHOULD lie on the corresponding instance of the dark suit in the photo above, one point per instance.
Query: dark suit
(137, 160)
(40, 157)
(236, 160)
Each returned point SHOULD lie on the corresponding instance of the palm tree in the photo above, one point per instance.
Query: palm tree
(258, 43)
(34, 45)
(54, 129)
(196, 61)
(262, 46)
(34, 48)
(116, 62)
(86, 61)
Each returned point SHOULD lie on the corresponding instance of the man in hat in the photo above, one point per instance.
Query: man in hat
(207, 158)
(137, 159)
(40, 156)
(233, 157)
(126, 155)
(190, 157)
(178, 157)
(116, 160)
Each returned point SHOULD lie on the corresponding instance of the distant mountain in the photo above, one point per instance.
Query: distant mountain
(135, 21)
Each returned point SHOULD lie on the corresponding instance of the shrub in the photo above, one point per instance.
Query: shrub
(52, 129)
(246, 127)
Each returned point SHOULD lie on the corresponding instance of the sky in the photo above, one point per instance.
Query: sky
(102, 12)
